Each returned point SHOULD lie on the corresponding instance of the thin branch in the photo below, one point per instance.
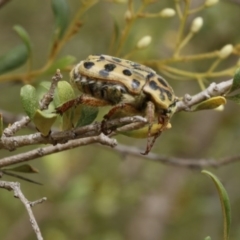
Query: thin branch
(212, 91)
(45, 101)
(15, 187)
(48, 97)
(40, 152)
(12, 143)
(39, 201)
(92, 134)
(179, 162)
(15, 127)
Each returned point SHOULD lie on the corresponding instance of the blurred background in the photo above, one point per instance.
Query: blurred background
(97, 193)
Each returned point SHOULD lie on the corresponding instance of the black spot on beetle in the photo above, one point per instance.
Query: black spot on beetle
(135, 84)
(102, 57)
(153, 85)
(116, 59)
(163, 82)
(109, 67)
(127, 72)
(135, 65)
(88, 65)
(151, 74)
(169, 95)
(103, 73)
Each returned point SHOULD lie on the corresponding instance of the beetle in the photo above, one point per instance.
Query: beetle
(131, 88)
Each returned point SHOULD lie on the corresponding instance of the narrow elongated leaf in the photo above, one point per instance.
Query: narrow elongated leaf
(25, 168)
(20, 177)
(29, 100)
(14, 58)
(226, 208)
(61, 12)
(236, 81)
(24, 36)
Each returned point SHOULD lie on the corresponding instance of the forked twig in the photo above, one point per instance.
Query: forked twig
(15, 187)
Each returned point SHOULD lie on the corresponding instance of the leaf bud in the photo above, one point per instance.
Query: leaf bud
(225, 51)
(196, 24)
(167, 12)
(144, 42)
(209, 3)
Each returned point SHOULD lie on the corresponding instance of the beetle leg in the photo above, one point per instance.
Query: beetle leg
(127, 108)
(83, 99)
(164, 120)
(150, 115)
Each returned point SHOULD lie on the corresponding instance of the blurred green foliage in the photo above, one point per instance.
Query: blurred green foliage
(94, 192)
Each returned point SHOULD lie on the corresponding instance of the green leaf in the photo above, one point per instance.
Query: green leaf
(29, 100)
(87, 115)
(236, 81)
(25, 168)
(24, 36)
(61, 12)
(210, 103)
(14, 58)
(20, 177)
(44, 121)
(64, 93)
(235, 98)
(45, 85)
(225, 204)
(61, 64)
(1, 125)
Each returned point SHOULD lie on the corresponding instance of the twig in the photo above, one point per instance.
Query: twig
(41, 200)
(12, 143)
(40, 152)
(212, 91)
(11, 130)
(46, 100)
(90, 134)
(48, 97)
(179, 162)
(15, 187)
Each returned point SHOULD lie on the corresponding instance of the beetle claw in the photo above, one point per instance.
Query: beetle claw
(104, 127)
(150, 144)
